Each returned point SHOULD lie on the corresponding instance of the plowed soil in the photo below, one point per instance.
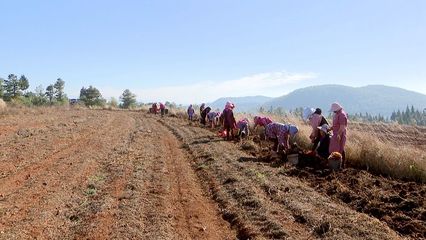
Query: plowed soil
(83, 174)
(93, 174)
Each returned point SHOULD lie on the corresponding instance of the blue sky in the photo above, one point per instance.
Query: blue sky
(192, 51)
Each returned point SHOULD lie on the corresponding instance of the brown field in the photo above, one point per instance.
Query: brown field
(95, 174)
(398, 134)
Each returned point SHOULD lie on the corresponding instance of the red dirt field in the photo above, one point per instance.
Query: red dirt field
(94, 174)
(83, 174)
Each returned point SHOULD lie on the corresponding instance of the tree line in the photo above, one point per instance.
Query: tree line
(15, 90)
(410, 116)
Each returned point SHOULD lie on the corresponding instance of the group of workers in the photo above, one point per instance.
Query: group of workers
(325, 139)
(328, 139)
(158, 108)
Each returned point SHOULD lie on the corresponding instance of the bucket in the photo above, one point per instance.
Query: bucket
(293, 159)
(334, 164)
(335, 161)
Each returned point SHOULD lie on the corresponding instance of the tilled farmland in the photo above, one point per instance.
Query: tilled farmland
(96, 174)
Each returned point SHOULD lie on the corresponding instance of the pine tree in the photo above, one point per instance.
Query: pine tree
(91, 96)
(393, 116)
(14, 86)
(50, 93)
(59, 90)
(23, 83)
(39, 97)
(128, 99)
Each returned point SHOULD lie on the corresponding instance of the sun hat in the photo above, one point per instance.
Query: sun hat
(229, 105)
(293, 130)
(307, 113)
(335, 107)
(325, 128)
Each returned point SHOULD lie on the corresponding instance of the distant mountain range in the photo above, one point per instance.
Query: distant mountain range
(374, 99)
(245, 104)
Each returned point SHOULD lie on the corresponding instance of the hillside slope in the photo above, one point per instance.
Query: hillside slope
(374, 99)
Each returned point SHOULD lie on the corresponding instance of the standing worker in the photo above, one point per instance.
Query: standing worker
(190, 112)
(340, 123)
(229, 120)
(202, 107)
(162, 109)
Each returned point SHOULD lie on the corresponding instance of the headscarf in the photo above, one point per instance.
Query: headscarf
(318, 111)
(335, 107)
(307, 113)
(256, 118)
(229, 105)
(292, 129)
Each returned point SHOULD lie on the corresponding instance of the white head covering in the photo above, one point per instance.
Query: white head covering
(307, 113)
(324, 128)
(335, 107)
(229, 105)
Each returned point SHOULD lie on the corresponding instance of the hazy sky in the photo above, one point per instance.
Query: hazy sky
(193, 51)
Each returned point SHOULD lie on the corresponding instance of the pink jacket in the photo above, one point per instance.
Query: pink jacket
(278, 131)
(262, 121)
(315, 121)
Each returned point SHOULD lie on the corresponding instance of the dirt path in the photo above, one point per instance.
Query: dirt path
(100, 175)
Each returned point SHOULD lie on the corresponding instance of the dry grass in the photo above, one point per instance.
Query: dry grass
(405, 162)
(3, 105)
(366, 151)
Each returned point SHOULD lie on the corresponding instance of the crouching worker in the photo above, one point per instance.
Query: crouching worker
(243, 128)
(280, 134)
(204, 115)
(261, 121)
(213, 118)
(154, 108)
(324, 142)
(316, 120)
